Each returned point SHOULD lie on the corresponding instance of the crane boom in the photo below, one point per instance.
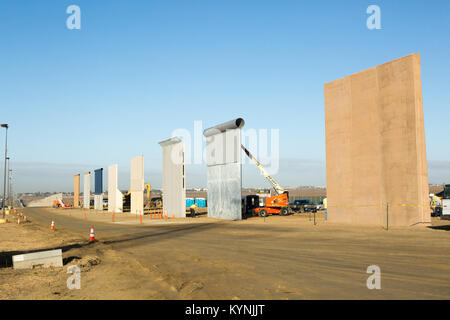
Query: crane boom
(279, 189)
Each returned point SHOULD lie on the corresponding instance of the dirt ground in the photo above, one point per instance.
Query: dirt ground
(202, 258)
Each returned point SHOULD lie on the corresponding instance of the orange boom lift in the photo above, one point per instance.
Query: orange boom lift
(278, 204)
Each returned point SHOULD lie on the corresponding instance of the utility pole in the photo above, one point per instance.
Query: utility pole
(5, 125)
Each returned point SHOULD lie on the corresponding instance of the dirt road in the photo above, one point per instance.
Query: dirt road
(201, 258)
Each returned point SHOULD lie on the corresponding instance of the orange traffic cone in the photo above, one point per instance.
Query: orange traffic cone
(18, 221)
(92, 236)
(52, 226)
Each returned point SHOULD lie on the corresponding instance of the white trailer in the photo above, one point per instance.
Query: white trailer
(446, 202)
(446, 208)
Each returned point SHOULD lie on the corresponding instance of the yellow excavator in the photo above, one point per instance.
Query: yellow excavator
(148, 201)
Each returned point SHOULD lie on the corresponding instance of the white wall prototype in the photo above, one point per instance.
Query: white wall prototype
(86, 189)
(137, 185)
(115, 197)
(173, 177)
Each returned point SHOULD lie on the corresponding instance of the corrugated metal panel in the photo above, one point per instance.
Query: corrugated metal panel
(224, 191)
(224, 173)
(173, 180)
(137, 185)
(98, 185)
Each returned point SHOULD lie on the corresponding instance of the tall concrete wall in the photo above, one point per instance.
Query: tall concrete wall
(224, 170)
(173, 178)
(45, 202)
(137, 185)
(115, 197)
(86, 189)
(375, 146)
(76, 191)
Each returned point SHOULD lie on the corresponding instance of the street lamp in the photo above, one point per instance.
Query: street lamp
(7, 179)
(5, 125)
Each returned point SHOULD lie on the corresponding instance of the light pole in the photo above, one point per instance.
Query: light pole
(7, 179)
(5, 125)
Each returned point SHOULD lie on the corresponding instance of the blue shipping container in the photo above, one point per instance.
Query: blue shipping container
(189, 202)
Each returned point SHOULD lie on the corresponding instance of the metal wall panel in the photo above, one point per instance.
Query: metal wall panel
(173, 178)
(76, 191)
(223, 148)
(115, 197)
(224, 185)
(86, 189)
(98, 185)
(137, 185)
(98, 189)
(224, 170)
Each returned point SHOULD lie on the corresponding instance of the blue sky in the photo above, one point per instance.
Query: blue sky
(77, 99)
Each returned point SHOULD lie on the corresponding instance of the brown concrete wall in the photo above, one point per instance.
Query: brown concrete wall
(76, 191)
(375, 145)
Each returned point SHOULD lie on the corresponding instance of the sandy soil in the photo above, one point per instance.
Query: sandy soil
(201, 258)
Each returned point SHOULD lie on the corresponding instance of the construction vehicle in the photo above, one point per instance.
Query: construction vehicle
(278, 204)
(147, 187)
(149, 202)
(60, 204)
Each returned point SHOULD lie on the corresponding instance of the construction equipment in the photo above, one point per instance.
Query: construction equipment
(278, 204)
(149, 202)
(59, 204)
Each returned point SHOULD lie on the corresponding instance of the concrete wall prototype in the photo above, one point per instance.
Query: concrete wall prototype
(115, 197)
(76, 191)
(98, 189)
(173, 178)
(224, 170)
(137, 185)
(46, 202)
(86, 190)
(375, 146)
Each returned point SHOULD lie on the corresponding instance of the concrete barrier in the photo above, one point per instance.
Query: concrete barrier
(50, 258)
